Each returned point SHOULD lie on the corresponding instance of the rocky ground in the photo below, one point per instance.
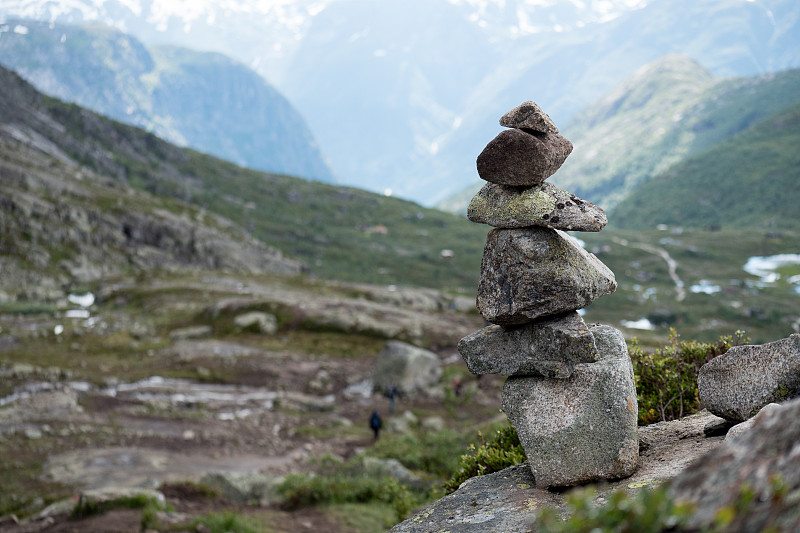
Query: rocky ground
(152, 384)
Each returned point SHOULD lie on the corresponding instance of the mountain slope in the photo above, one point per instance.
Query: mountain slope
(667, 111)
(62, 224)
(200, 99)
(339, 232)
(749, 180)
(405, 95)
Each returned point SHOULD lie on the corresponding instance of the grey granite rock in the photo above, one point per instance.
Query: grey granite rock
(410, 368)
(504, 502)
(516, 157)
(738, 383)
(549, 347)
(583, 428)
(764, 461)
(740, 428)
(528, 273)
(544, 204)
(529, 116)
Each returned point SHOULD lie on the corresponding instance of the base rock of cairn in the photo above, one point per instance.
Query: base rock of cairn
(571, 394)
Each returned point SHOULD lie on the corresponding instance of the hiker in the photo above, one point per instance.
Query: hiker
(375, 423)
(391, 393)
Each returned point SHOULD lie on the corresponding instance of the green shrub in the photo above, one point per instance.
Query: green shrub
(229, 522)
(338, 482)
(503, 450)
(666, 379)
(425, 451)
(649, 511)
(85, 508)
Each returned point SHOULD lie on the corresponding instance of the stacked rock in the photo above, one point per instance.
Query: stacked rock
(570, 393)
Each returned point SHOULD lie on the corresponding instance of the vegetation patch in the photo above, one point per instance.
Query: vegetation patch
(666, 379)
(649, 511)
(502, 450)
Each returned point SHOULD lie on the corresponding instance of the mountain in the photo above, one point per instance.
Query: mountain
(749, 180)
(338, 232)
(199, 99)
(404, 96)
(64, 225)
(666, 112)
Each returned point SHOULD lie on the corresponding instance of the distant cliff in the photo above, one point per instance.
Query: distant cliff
(206, 101)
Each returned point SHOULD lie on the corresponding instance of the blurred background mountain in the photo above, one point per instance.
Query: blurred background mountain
(404, 96)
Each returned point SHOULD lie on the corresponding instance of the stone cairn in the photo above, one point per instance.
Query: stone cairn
(570, 393)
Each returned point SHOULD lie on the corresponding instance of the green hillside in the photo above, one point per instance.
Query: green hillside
(339, 232)
(751, 180)
(667, 112)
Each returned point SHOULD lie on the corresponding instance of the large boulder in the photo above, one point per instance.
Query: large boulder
(544, 204)
(738, 383)
(549, 347)
(583, 428)
(410, 368)
(527, 273)
(516, 157)
(754, 479)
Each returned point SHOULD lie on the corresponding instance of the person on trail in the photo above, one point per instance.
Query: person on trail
(375, 423)
(391, 393)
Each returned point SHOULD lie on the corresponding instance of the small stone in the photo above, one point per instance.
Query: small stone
(529, 116)
(518, 158)
(549, 347)
(528, 273)
(583, 428)
(738, 383)
(544, 205)
(737, 430)
(190, 332)
(257, 322)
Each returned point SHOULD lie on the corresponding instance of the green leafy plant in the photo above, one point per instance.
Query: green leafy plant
(501, 451)
(649, 511)
(85, 507)
(337, 482)
(666, 379)
(425, 451)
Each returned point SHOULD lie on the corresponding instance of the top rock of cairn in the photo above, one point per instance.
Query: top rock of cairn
(529, 116)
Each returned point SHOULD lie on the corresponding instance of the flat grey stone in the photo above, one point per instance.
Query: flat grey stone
(549, 347)
(518, 158)
(529, 116)
(410, 368)
(544, 204)
(527, 273)
(583, 428)
(738, 383)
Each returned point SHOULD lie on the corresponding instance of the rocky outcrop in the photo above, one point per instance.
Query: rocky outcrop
(755, 477)
(509, 500)
(738, 383)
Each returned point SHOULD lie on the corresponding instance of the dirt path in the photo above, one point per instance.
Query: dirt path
(672, 265)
